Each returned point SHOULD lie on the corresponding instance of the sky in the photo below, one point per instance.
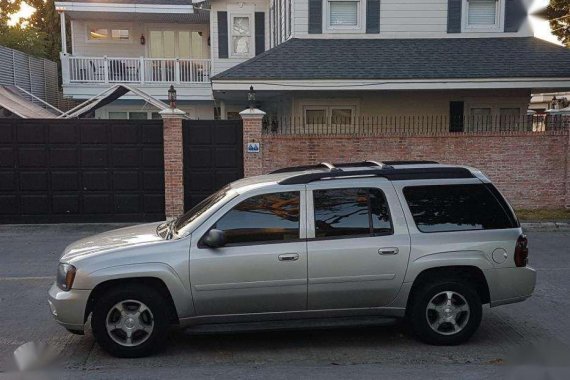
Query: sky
(541, 27)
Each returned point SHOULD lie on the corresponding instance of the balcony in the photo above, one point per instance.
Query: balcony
(84, 77)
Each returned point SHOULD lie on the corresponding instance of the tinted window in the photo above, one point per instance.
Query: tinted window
(455, 208)
(263, 218)
(351, 212)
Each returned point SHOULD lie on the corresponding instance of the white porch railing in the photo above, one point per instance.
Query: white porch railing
(134, 70)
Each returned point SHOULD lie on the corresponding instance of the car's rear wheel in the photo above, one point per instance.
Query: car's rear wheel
(130, 321)
(445, 312)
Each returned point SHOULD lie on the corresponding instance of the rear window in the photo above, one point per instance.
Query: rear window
(445, 208)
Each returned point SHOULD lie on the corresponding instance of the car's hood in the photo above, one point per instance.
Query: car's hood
(124, 237)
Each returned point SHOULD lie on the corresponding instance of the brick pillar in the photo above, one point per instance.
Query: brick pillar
(173, 162)
(252, 124)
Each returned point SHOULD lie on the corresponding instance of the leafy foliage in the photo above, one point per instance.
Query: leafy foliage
(38, 35)
(558, 14)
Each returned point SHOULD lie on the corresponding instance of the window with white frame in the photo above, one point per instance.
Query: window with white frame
(321, 116)
(482, 15)
(103, 33)
(240, 35)
(344, 15)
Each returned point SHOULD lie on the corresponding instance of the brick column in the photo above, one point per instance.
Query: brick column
(252, 124)
(173, 162)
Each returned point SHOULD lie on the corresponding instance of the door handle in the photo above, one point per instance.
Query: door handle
(289, 257)
(388, 251)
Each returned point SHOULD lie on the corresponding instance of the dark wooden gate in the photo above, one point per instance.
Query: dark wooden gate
(81, 171)
(213, 157)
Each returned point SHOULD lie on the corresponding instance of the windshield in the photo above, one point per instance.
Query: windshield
(199, 209)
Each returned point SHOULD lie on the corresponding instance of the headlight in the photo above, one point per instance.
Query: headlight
(65, 276)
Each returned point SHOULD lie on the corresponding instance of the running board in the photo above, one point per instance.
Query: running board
(296, 324)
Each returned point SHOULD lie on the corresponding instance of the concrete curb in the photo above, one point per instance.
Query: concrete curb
(546, 226)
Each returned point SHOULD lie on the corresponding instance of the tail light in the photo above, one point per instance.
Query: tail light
(521, 251)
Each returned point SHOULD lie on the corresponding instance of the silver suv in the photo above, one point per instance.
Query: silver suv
(421, 240)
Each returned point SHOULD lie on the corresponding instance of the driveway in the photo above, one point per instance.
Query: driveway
(537, 330)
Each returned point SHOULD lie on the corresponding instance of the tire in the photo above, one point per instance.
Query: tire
(135, 310)
(436, 325)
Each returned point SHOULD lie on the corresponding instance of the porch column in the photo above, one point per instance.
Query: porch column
(173, 162)
(252, 156)
(63, 32)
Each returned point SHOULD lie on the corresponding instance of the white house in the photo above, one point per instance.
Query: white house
(314, 59)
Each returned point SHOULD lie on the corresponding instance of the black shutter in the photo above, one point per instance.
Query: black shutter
(259, 32)
(315, 16)
(223, 34)
(454, 16)
(515, 14)
(372, 16)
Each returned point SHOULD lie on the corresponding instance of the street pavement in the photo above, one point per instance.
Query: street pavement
(525, 340)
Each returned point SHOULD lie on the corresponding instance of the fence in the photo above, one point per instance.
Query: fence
(37, 76)
(411, 124)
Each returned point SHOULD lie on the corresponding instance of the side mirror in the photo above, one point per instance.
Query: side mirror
(214, 238)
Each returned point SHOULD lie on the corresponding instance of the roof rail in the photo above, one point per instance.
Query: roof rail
(410, 162)
(389, 173)
(322, 165)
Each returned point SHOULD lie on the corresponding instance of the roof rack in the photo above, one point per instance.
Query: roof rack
(411, 162)
(331, 167)
(390, 173)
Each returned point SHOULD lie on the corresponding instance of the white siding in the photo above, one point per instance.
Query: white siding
(402, 19)
(242, 7)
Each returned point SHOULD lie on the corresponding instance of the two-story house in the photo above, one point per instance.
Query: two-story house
(315, 60)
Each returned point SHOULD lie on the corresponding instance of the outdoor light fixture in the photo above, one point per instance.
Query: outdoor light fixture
(143, 40)
(251, 98)
(172, 97)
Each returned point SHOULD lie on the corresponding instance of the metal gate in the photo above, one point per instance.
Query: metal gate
(81, 171)
(213, 157)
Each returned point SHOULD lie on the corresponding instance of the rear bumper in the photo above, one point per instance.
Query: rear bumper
(68, 308)
(510, 285)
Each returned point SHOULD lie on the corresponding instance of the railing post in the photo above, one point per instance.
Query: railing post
(65, 69)
(177, 71)
(106, 69)
(141, 69)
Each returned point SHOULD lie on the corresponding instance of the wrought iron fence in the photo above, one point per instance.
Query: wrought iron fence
(412, 124)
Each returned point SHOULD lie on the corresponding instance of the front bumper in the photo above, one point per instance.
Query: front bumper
(510, 285)
(68, 308)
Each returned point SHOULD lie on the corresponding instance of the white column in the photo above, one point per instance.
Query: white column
(63, 32)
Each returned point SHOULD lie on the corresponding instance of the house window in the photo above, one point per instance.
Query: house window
(100, 33)
(482, 14)
(344, 14)
(319, 117)
(241, 35)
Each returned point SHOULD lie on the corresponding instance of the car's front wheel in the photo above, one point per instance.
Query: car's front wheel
(445, 312)
(130, 321)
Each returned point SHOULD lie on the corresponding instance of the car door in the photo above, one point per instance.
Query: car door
(358, 244)
(263, 266)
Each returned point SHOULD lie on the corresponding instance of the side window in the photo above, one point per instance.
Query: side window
(262, 218)
(455, 208)
(351, 212)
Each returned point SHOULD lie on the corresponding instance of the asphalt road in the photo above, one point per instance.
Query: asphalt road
(535, 333)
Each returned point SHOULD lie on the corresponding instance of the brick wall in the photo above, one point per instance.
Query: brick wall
(173, 167)
(531, 169)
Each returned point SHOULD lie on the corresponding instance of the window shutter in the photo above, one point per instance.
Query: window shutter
(223, 34)
(315, 16)
(372, 16)
(454, 16)
(515, 14)
(259, 32)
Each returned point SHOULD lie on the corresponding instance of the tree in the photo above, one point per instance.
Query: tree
(558, 14)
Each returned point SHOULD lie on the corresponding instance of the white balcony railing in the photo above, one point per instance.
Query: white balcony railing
(134, 70)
